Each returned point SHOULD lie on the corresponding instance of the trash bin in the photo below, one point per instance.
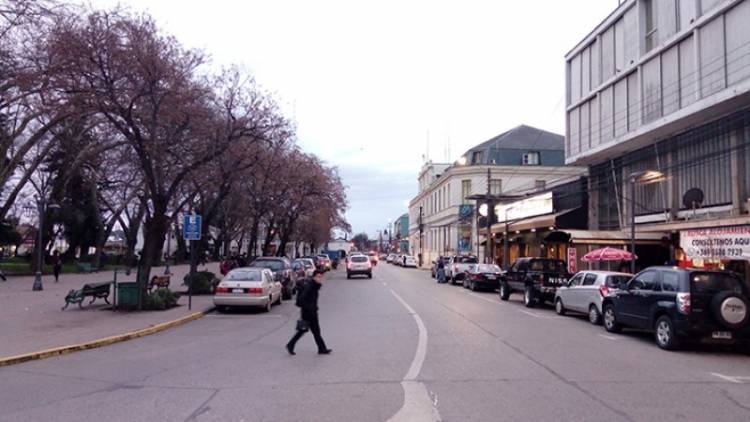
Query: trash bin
(127, 295)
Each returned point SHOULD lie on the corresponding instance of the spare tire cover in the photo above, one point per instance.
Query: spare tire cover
(730, 309)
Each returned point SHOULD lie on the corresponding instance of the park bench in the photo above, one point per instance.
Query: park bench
(85, 267)
(93, 290)
(158, 282)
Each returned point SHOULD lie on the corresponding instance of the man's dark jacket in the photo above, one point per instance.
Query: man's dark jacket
(307, 299)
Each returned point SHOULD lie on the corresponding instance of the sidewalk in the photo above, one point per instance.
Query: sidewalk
(31, 321)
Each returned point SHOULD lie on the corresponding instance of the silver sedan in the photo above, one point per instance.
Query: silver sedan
(253, 287)
(584, 293)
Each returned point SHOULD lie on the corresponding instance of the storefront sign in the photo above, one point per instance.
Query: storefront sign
(465, 213)
(572, 260)
(464, 239)
(731, 243)
(529, 207)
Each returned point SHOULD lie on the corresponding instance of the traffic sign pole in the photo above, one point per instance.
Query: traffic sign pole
(191, 230)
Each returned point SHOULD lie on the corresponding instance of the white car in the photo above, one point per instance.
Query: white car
(585, 291)
(409, 261)
(248, 286)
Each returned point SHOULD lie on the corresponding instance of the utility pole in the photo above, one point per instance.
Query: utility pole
(488, 246)
(421, 235)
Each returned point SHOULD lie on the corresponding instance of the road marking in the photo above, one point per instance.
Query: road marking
(608, 337)
(385, 284)
(243, 315)
(418, 406)
(736, 380)
(529, 313)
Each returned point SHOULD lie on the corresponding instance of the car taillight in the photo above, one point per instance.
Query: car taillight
(476, 276)
(369, 265)
(683, 303)
(349, 265)
(255, 290)
(604, 290)
(222, 290)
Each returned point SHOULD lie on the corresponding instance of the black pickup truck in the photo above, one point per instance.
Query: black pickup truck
(537, 278)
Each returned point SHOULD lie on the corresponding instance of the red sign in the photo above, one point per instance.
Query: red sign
(572, 260)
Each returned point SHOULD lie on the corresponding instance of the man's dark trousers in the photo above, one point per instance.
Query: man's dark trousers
(312, 321)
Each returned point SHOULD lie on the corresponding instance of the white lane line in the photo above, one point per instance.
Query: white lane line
(385, 284)
(608, 337)
(727, 378)
(530, 314)
(418, 406)
(243, 316)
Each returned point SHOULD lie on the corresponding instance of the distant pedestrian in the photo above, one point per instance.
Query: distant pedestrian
(440, 270)
(56, 265)
(307, 300)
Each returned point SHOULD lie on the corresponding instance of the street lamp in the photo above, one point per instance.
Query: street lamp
(506, 251)
(41, 206)
(641, 178)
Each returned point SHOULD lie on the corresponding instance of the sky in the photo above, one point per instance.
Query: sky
(377, 87)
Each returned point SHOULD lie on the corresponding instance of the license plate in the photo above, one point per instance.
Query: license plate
(490, 277)
(722, 335)
(238, 290)
(555, 280)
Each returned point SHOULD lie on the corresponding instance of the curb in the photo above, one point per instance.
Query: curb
(57, 351)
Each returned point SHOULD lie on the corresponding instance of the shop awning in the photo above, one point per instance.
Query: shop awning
(603, 237)
(539, 222)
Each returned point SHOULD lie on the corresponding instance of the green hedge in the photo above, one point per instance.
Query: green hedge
(160, 300)
(202, 282)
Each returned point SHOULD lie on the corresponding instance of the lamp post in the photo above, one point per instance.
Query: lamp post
(421, 235)
(41, 206)
(643, 178)
(506, 251)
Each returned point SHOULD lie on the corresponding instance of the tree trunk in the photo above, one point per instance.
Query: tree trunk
(181, 251)
(131, 234)
(155, 232)
(268, 239)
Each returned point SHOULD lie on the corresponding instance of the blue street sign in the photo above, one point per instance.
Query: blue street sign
(191, 227)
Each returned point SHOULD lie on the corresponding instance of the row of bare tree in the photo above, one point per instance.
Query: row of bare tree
(102, 112)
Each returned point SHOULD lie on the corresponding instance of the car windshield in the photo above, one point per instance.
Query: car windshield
(467, 260)
(359, 258)
(487, 268)
(615, 281)
(547, 265)
(715, 282)
(270, 264)
(244, 275)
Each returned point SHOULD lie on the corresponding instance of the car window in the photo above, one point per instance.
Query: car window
(548, 266)
(487, 268)
(244, 275)
(359, 259)
(715, 282)
(644, 281)
(615, 281)
(576, 281)
(670, 281)
(520, 266)
(272, 265)
(467, 260)
(590, 280)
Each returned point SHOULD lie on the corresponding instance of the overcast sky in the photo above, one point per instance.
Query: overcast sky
(369, 83)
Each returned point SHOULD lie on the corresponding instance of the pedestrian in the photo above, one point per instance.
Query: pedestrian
(440, 270)
(307, 300)
(56, 265)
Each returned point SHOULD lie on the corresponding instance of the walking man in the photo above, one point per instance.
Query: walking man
(440, 270)
(307, 300)
(56, 265)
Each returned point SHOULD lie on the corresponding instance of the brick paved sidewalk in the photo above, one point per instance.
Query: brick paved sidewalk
(31, 321)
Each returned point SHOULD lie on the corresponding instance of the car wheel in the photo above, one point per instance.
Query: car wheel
(348, 276)
(610, 321)
(504, 291)
(594, 316)
(666, 337)
(280, 299)
(269, 304)
(369, 275)
(559, 308)
(473, 286)
(529, 297)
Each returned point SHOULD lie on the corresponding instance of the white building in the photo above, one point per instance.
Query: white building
(522, 159)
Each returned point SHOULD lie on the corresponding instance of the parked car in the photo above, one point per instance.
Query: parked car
(679, 305)
(537, 278)
(308, 264)
(318, 261)
(282, 271)
(457, 266)
(482, 276)
(327, 264)
(389, 259)
(359, 265)
(373, 258)
(254, 287)
(585, 291)
(409, 261)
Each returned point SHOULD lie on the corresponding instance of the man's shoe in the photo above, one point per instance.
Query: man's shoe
(325, 352)
(290, 350)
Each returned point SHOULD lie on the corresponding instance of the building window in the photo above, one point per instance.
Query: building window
(652, 36)
(531, 159)
(465, 191)
(476, 157)
(540, 184)
(496, 186)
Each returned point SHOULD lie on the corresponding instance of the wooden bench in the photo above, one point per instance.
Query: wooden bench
(93, 290)
(160, 282)
(85, 267)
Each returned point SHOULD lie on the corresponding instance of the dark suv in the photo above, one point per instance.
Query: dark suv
(537, 278)
(282, 271)
(681, 304)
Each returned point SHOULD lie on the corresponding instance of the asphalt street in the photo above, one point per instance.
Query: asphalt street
(404, 348)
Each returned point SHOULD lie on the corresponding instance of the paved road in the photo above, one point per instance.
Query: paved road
(404, 349)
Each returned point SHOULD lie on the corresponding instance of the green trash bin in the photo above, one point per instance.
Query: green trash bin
(127, 295)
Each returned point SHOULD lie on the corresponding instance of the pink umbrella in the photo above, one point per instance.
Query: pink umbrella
(608, 254)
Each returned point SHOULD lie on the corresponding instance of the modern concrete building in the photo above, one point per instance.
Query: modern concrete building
(442, 218)
(664, 86)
